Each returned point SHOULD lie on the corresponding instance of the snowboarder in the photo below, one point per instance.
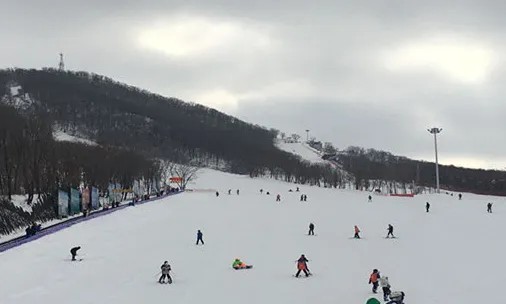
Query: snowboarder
(370, 198)
(385, 286)
(489, 207)
(302, 266)
(237, 192)
(460, 196)
(427, 207)
(278, 198)
(305, 198)
(302, 197)
(311, 229)
(73, 252)
(297, 190)
(238, 264)
(373, 279)
(229, 191)
(390, 230)
(396, 297)
(217, 194)
(357, 231)
(165, 273)
(199, 237)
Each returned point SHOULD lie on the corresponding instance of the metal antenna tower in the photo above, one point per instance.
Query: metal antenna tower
(61, 65)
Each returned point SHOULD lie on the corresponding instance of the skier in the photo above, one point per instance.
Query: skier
(199, 237)
(305, 198)
(261, 191)
(311, 229)
(427, 207)
(302, 197)
(460, 196)
(302, 266)
(217, 194)
(390, 231)
(238, 264)
(165, 273)
(489, 207)
(373, 279)
(396, 297)
(370, 198)
(385, 286)
(297, 190)
(278, 198)
(357, 231)
(237, 191)
(73, 252)
(229, 191)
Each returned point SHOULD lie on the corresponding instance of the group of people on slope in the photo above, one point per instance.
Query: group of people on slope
(394, 297)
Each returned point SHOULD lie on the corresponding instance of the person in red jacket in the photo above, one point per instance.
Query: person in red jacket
(302, 266)
(373, 279)
(357, 231)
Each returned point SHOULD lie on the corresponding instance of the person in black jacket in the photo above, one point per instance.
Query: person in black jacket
(427, 207)
(390, 231)
(165, 273)
(311, 229)
(73, 252)
(489, 207)
(199, 237)
(302, 266)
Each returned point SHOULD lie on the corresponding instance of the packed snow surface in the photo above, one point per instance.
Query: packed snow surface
(302, 150)
(454, 254)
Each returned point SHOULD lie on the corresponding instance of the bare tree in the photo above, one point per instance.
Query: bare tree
(186, 172)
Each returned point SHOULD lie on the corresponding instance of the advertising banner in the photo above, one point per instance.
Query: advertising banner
(94, 198)
(63, 203)
(86, 198)
(75, 201)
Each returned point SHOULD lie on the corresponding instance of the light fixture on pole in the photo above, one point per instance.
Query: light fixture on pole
(436, 131)
(307, 135)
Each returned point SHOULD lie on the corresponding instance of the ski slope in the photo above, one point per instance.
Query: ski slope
(454, 254)
(302, 150)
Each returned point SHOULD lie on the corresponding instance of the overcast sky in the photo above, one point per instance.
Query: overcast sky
(373, 73)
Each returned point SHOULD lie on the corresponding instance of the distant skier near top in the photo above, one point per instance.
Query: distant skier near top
(311, 229)
(297, 190)
(460, 196)
(237, 192)
(73, 252)
(302, 197)
(302, 266)
(217, 194)
(357, 231)
(390, 231)
(229, 191)
(199, 237)
(261, 191)
(489, 207)
(370, 198)
(278, 198)
(385, 286)
(165, 273)
(427, 207)
(373, 279)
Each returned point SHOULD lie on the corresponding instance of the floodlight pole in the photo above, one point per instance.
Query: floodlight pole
(436, 131)
(307, 135)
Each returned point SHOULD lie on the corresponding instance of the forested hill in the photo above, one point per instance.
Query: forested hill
(116, 114)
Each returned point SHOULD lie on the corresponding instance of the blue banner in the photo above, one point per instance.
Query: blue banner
(94, 198)
(75, 201)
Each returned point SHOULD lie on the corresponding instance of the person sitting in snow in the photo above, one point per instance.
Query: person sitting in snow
(238, 264)
(396, 297)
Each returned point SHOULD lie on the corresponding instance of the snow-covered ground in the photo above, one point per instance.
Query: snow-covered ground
(62, 136)
(302, 150)
(454, 254)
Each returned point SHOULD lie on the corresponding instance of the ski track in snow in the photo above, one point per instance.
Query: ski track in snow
(451, 255)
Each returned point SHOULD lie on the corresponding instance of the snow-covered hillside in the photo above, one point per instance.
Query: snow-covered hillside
(451, 255)
(62, 136)
(300, 149)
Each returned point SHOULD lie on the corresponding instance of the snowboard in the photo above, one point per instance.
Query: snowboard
(373, 301)
(76, 260)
